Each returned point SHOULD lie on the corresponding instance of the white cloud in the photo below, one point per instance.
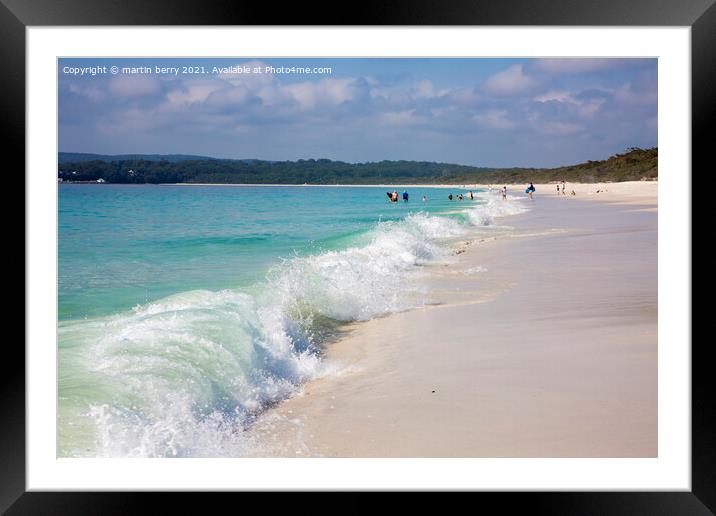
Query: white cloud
(590, 107)
(559, 96)
(327, 92)
(511, 81)
(585, 108)
(423, 89)
(93, 93)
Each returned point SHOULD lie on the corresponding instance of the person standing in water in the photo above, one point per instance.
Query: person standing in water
(450, 197)
(425, 198)
(472, 197)
(405, 196)
(394, 197)
(530, 190)
(504, 193)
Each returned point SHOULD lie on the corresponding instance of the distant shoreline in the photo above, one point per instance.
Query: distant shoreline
(495, 186)
(396, 185)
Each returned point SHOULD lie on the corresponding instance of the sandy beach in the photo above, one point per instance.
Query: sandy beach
(539, 341)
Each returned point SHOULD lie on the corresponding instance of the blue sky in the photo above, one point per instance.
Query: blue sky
(483, 112)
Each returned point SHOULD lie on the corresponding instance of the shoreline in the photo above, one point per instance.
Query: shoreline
(544, 188)
(580, 188)
(548, 350)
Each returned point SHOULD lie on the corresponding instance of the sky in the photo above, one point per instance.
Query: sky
(480, 112)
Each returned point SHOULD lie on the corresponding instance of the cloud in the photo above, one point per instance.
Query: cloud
(328, 93)
(494, 119)
(230, 98)
(245, 73)
(578, 65)
(641, 91)
(511, 118)
(93, 93)
(134, 86)
(585, 105)
(402, 118)
(461, 97)
(552, 95)
(423, 89)
(511, 81)
(191, 92)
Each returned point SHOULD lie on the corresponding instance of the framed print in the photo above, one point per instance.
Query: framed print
(429, 251)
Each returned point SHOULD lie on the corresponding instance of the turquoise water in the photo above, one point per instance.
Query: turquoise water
(124, 245)
(186, 311)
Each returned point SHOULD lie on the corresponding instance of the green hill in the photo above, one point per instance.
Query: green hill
(634, 164)
(78, 157)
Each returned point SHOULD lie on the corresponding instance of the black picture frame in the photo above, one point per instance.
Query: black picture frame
(16, 15)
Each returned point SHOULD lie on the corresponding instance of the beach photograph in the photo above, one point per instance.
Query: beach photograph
(357, 257)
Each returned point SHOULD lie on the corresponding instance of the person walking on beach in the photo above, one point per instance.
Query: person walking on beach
(530, 190)
(504, 193)
(557, 188)
(564, 188)
(405, 196)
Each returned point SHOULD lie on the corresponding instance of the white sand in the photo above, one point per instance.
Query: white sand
(544, 344)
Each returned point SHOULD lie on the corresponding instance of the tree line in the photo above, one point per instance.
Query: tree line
(633, 164)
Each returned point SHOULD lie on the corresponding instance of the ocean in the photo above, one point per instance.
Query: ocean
(187, 311)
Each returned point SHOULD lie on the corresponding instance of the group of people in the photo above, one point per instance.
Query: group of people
(561, 190)
(393, 196)
(529, 191)
(461, 197)
(564, 189)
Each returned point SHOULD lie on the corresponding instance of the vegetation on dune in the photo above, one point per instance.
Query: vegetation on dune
(633, 165)
(76, 157)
